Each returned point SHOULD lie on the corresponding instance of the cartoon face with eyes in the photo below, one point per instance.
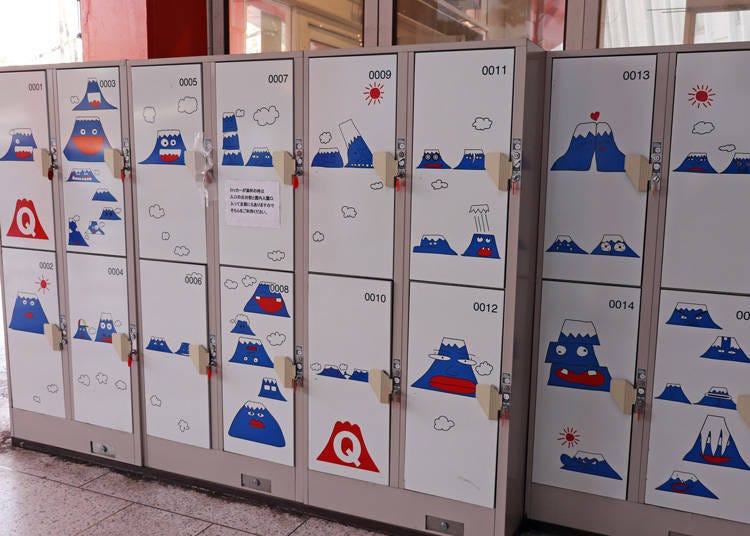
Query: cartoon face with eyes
(168, 149)
(28, 314)
(253, 422)
(614, 246)
(22, 145)
(431, 159)
(87, 141)
(266, 302)
(260, 157)
(106, 329)
(250, 351)
(452, 370)
(692, 315)
(483, 246)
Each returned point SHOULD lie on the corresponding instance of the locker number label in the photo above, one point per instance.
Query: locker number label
(622, 305)
(277, 78)
(107, 83)
(193, 279)
(494, 70)
(484, 307)
(279, 289)
(376, 297)
(636, 75)
(35, 86)
(381, 74)
(188, 81)
(46, 265)
(743, 315)
(115, 271)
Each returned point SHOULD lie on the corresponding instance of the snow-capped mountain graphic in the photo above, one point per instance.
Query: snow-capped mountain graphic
(328, 157)
(674, 393)
(250, 351)
(565, 244)
(266, 302)
(87, 141)
(573, 358)
(253, 422)
(270, 389)
(726, 349)
(696, 163)
(434, 243)
(431, 159)
(106, 328)
(590, 140)
(184, 349)
(715, 445)
(260, 157)
(82, 332)
(472, 159)
(28, 314)
(451, 370)
(230, 144)
(717, 397)
(740, 164)
(158, 344)
(590, 463)
(169, 148)
(22, 145)
(614, 245)
(82, 175)
(109, 213)
(358, 154)
(93, 98)
(693, 315)
(102, 194)
(686, 484)
(75, 237)
(242, 325)
(341, 372)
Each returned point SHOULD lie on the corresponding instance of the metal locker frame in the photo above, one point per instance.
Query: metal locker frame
(591, 512)
(68, 433)
(393, 504)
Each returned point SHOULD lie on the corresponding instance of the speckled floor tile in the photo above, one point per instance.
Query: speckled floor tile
(259, 520)
(139, 519)
(321, 527)
(51, 467)
(32, 505)
(218, 530)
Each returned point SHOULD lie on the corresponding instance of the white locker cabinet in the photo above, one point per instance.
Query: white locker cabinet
(351, 108)
(254, 136)
(257, 328)
(173, 317)
(98, 311)
(89, 110)
(26, 207)
(31, 291)
(459, 212)
(169, 159)
(349, 339)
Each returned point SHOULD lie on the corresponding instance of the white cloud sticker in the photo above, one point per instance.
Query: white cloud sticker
(187, 105)
(438, 184)
(156, 212)
(181, 251)
(149, 114)
(349, 212)
(231, 284)
(266, 116)
(443, 424)
(482, 123)
(276, 338)
(703, 127)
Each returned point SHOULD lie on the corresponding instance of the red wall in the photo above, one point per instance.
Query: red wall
(177, 28)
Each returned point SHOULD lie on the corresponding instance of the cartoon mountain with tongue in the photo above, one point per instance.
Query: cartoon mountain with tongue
(451, 370)
(169, 148)
(106, 329)
(696, 163)
(93, 98)
(253, 422)
(686, 484)
(22, 145)
(266, 302)
(87, 141)
(726, 349)
(591, 140)
(573, 359)
(715, 445)
(740, 164)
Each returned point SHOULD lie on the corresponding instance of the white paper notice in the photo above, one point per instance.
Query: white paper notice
(252, 204)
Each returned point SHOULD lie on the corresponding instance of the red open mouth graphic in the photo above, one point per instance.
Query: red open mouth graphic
(89, 144)
(581, 378)
(433, 166)
(484, 252)
(107, 339)
(169, 157)
(23, 153)
(458, 386)
(29, 314)
(679, 487)
(269, 304)
(95, 103)
(715, 460)
(255, 423)
(251, 348)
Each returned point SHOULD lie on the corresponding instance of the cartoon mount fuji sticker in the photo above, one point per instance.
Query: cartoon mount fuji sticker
(87, 141)
(591, 140)
(346, 446)
(26, 222)
(565, 244)
(483, 245)
(241, 325)
(614, 245)
(686, 484)
(342, 372)
(451, 370)
(260, 157)
(434, 243)
(692, 315)
(158, 344)
(85, 175)
(82, 332)
(266, 302)
(106, 329)
(28, 314)
(472, 159)
(726, 349)
(674, 393)
(250, 351)
(168, 149)
(590, 463)
(270, 389)
(21, 147)
(740, 164)
(431, 159)
(93, 98)
(253, 422)
(717, 397)
(715, 445)
(696, 163)
(358, 154)
(573, 359)
(230, 144)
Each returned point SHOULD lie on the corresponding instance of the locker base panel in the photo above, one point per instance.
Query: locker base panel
(400, 507)
(614, 517)
(75, 436)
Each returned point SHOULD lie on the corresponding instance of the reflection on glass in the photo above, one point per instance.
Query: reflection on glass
(435, 21)
(669, 22)
(276, 26)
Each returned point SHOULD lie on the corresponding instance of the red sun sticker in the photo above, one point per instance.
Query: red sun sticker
(569, 437)
(701, 96)
(373, 93)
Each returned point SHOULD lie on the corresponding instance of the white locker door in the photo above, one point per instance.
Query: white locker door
(26, 214)
(98, 290)
(88, 103)
(588, 336)
(174, 316)
(455, 343)
(257, 327)
(31, 294)
(459, 215)
(167, 112)
(255, 120)
(699, 446)
(595, 218)
(352, 116)
(705, 242)
(350, 334)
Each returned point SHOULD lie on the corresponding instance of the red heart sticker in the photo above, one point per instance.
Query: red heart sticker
(594, 115)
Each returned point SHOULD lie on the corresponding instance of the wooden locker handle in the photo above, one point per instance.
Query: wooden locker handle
(500, 169)
(386, 168)
(122, 346)
(381, 384)
(743, 408)
(53, 334)
(623, 393)
(43, 161)
(285, 369)
(115, 161)
(638, 170)
(488, 396)
(283, 163)
(200, 358)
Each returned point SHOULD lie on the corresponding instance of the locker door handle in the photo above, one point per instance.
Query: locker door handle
(638, 170)
(386, 167)
(45, 162)
(201, 358)
(500, 169)
(54, 336)
(381, 384)
(285, 369)
(122, 346)
(115, 161)
(623, 393)
(743, 408)
(285, 166)
(489, 399)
